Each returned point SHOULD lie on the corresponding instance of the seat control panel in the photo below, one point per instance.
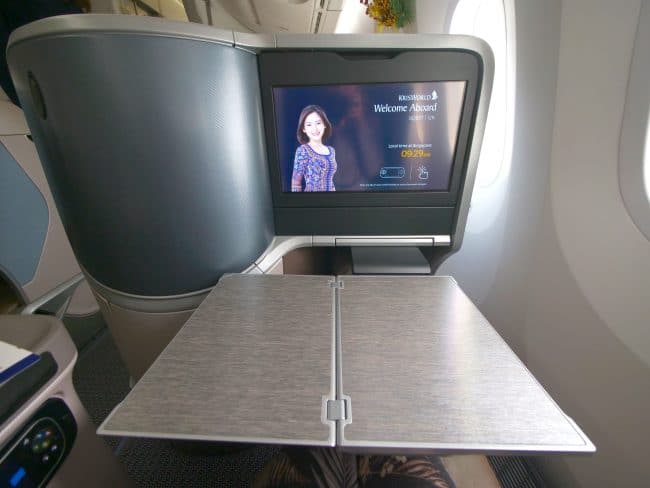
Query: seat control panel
(32, 457)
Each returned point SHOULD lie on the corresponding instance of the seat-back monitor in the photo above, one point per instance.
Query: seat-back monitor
(369, 142)
(382, 137)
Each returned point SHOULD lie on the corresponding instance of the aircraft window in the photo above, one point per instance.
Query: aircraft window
(634, 150)
(493, 21)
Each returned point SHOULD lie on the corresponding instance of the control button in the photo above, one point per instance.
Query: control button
(45, 458)
(46, 443)
(54, 448)
(17, 477)
(48, 432)
(26, 442)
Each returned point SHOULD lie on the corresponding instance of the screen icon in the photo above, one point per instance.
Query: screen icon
(423, 172)
(392, 172)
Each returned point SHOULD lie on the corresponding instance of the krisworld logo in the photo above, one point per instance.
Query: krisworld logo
(413, 97)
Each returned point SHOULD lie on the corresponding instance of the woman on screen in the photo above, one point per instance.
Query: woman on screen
(315, 163)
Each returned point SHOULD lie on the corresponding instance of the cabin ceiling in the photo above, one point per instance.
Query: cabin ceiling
(313, 16)
(296, 16)
(285, 15)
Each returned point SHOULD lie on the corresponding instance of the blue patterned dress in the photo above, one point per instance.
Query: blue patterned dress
(313, 171)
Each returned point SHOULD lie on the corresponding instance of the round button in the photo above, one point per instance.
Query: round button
(26, 442)
(54, 448)
(45, 458)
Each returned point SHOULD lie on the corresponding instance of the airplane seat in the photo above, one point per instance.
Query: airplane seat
(141, 139)
(12, 296)
(46, 435)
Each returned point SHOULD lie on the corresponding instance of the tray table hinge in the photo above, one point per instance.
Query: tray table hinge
(337, 410)
(337, 283)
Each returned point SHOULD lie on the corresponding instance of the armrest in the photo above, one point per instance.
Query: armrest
(62, 292)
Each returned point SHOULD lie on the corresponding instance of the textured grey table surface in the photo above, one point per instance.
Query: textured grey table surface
(425, 370)
(252, 364)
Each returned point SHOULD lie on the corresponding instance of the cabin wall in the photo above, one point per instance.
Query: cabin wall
(493, 263)
(550, 254)
(587, 334)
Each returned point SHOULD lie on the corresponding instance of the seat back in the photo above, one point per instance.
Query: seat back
(152, 145)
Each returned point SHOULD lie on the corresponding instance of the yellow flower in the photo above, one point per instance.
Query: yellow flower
(383, 13)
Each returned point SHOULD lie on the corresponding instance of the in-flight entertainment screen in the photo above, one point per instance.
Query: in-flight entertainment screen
(384, 137)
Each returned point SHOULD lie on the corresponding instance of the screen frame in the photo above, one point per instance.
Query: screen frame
(282, 69)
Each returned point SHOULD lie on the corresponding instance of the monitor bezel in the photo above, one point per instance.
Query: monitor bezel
(317, 68)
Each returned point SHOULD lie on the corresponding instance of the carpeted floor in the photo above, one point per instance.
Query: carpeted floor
(516, 472)
(101, 380)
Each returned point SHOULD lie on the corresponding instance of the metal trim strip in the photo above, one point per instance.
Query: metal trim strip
(384, 241)
(150, 304)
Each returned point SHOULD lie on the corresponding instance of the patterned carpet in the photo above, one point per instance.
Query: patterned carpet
(101, 380)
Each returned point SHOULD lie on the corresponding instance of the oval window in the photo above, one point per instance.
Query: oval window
(493, 21)
(634, 150)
